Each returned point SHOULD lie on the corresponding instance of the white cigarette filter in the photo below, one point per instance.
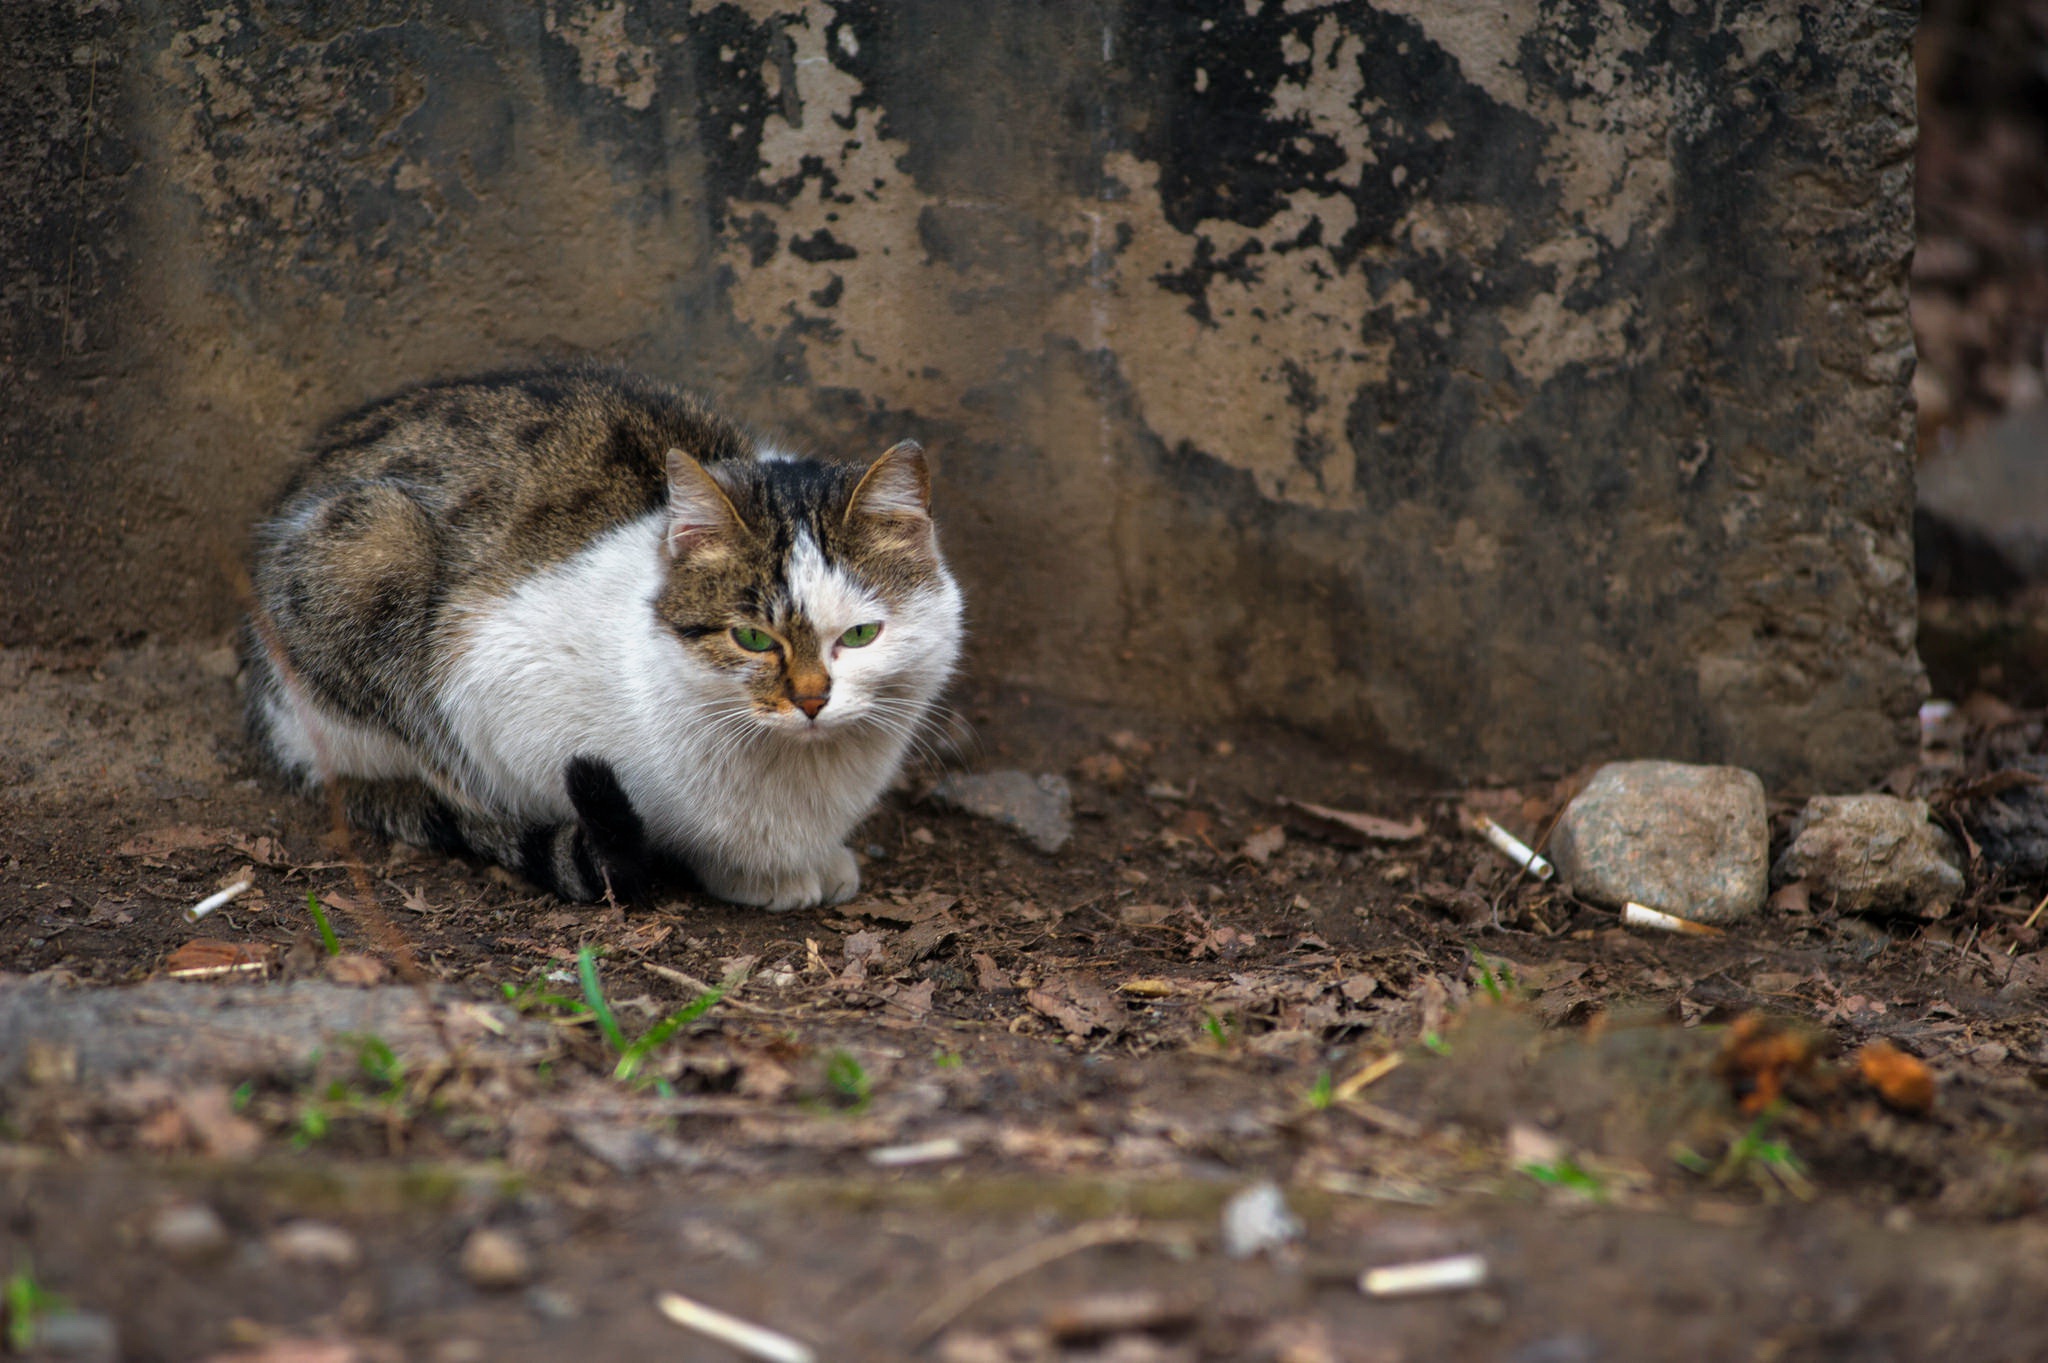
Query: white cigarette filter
(1514, 849)
(214, 901)
(753, 1340)
(1456, 1273)
(1643, 916)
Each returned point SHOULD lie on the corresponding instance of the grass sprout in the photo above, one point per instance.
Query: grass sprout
(847, 1079)
(1567, 1174)
(327, 937)
(28, 1304)
(633, 1052)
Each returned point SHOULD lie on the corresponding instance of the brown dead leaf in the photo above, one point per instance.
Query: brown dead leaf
(1902, 1082)
(1148, 989)
(1760, 1056)
(1792, 898)
(1258, 849)
(989, 977)
(1359, 988)
(1080, 1006)
(646, 936)
(912, 999)
(207, 958)
(356, 968)
(1344, 825)
(862, 950)
(294, 1351)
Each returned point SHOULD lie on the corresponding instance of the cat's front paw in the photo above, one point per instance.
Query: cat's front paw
(834, 881)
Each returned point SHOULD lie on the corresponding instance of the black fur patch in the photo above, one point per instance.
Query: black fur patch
(610, 826)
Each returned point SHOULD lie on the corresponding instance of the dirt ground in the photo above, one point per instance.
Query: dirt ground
(995, 1108)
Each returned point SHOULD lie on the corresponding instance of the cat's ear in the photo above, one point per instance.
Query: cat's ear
(898, 484)
(699, 512)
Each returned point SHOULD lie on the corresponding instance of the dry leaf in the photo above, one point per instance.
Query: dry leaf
(1903, 1082)
(1079, 1006)
(354, 967)
(206, 958)
(1344, 825)
(1259, 848)
(989, 977)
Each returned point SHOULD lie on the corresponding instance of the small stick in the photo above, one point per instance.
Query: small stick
(947, 1309)
(214, 901)
(2035, 916)
(1513, 848)
(1368, 1075)
(754, 1341)
(1453, 1274)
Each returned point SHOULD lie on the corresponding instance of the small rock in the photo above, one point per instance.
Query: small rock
(188, 1231)
(315, 1244)
(1690, 840)
(83, 1336)
(495, 1260)
(1257, 1220)
(552, 1304)
(1039, 807)
(1873, 854)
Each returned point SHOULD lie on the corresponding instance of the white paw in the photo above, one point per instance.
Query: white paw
(834, 882)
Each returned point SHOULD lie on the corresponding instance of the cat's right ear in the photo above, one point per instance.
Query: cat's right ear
(699, 513)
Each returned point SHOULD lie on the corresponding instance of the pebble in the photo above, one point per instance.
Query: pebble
(315, 1244)
(1874, 854)
(82, 1336)
(495, 1260)
(1257, 1220)
(188, 1231)
(1694, 841)
(1039, 807)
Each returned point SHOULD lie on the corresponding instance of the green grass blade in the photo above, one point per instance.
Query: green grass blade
(593, 994)
(630, 1060)
(327, 937)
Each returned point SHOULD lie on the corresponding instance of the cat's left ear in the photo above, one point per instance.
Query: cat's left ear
(699, 512)
(897, 484)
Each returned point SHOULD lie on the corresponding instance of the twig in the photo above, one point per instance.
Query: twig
(948, 1308)
(755, 1341)
(2035, 916)
(688, 981)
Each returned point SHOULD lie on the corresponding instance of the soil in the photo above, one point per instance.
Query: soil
(992, 1109)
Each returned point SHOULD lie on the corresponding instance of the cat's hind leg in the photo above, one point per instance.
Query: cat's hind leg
(604, 848)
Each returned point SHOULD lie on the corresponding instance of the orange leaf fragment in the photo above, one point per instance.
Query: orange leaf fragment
(1902, 1082)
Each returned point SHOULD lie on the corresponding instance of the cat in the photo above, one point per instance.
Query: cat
(576, 623)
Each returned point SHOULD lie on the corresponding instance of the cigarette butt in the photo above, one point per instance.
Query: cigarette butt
(1453, 1274)
(920, 1152)
(1643, 916)
(214, 901)
(754, 1341)
(1514, 849)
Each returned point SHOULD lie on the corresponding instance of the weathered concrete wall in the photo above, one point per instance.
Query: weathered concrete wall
(1498, 383)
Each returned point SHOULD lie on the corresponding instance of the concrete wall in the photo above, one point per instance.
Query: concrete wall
(1496, 382)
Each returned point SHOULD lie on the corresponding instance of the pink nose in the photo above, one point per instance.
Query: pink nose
(810, 705)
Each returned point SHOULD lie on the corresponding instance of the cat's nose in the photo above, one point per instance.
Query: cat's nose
(810, 705)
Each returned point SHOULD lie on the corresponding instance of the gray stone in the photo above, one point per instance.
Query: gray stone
(496, 1260)
(1258, 1219)
(77, 1337)
(1039, 807)
(1556, 352)
(188, 1231)
(1873, 854)
(315, 1244)
(1692, 841)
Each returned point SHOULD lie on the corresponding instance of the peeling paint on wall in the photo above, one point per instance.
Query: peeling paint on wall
(1502, 384)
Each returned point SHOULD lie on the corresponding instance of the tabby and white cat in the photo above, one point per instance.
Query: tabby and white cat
(578, 624)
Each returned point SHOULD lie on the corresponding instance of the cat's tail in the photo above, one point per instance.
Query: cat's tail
(603, 850)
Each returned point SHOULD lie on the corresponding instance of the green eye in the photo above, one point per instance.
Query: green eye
(753, 640)
(860, 636)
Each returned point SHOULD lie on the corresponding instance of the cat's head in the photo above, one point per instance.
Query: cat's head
(812, 595)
